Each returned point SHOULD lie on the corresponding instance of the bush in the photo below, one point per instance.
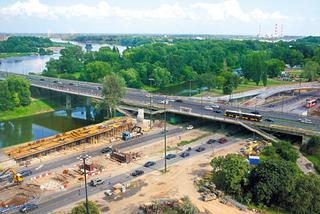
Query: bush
(81, 208)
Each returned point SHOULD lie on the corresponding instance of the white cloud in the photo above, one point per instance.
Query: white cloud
(223, 10)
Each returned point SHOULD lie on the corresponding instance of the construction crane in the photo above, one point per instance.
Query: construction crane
(16, 178)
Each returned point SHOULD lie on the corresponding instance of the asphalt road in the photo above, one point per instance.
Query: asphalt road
(72, 159)
(48, 204)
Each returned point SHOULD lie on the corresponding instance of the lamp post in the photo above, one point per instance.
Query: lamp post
(150, 116)
(189, 88)
(83, 158)
(165, 134)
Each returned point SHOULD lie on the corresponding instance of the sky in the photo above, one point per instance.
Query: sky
(228, 17)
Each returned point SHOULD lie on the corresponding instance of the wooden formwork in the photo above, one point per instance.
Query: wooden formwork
(89, 134)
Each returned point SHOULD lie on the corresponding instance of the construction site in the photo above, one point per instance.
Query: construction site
(89, 135)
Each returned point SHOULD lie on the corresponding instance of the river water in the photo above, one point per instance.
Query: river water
(35, 127)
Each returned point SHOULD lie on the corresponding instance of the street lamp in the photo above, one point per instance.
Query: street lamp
(84, 158)
(189, 88)
(150, 81)
(165, 133)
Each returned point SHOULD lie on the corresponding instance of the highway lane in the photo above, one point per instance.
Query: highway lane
(48, 204)
(135, 95)
(72, 159)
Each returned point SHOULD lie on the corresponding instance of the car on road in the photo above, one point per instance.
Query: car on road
(96, 182)
(41, 79)
(269, 120)
(106, 150)
(170, 156)
(305, 120)
(26, 172)
(163, 102)
(149, 163)
(189, 127)
(184, 154)
(222, 140)
(211, 141)
(272, 106)
(28, 208)
(208, 108)
(200, 149)
(215, 106)
(179, 101)
(218, 111)
(137, 172)
(99, 88)
(70, 83)
(255, 112)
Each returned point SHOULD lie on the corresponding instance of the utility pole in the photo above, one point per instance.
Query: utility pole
(84, 158)
(150, 96)
(189, 88)
(165, 135)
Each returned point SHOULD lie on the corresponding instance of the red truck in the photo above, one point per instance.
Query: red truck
(222, 140)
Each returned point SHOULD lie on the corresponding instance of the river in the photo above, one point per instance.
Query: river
(35, 127)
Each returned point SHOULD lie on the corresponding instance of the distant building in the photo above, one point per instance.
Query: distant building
(88, 47)
(3, 38)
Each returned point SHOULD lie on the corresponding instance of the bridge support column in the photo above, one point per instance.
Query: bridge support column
(305, 139)
(88, 108)
(68, 101)
(292, 94)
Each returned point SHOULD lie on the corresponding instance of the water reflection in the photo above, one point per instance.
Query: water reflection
(43, 125)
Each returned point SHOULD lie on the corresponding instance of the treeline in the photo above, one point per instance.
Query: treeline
(210, 63)
(276, 182)
(26, 44)
(14, 92)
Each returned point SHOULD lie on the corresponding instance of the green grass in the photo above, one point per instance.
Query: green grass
(315, 160)
(36, 107)
(268, 210)
(6, 55)
(186, 142)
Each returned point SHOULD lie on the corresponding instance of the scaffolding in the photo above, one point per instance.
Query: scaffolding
(89, 134)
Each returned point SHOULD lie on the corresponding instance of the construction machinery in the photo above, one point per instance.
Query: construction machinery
(10, 177)
(133, 133)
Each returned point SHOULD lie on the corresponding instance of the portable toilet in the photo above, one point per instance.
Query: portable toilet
(254, 160)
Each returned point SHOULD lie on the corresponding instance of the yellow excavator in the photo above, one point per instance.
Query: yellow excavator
(17, 178)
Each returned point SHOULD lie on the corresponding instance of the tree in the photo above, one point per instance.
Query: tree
(20, 90)
(95, 71)
(206, 80)
(229, 173)
(113, 91)
(271, 181)
(81, 208)
(274, 67)
(131, 77)
(254, 66)
(161, 76)
(305, 198)
(311, 70)
(6, 102)
(286, 151)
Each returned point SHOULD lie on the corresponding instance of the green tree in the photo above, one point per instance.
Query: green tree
(253, 65)
(131, 77)
(20, 90)
(230, 173)
(81, 208)
(274, 67)
(286, 151)
(311, 70)
(271, 181)
(161, 76)
(187, 207)
(6, 102)
(95, 71)
(113, 91)
(305, 198)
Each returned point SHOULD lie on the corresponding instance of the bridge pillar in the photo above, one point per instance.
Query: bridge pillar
(68, 101)
(305, 139)
(88, 108)
(292, 93)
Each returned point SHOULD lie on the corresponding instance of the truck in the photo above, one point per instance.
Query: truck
(135, 132)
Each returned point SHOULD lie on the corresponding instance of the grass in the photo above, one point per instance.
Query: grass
(36, 107)
(315, 160)
(6, 55)
(186, 142)
(268, 210)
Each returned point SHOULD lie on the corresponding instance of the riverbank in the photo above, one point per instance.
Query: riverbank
(7, 55)
(36, 107)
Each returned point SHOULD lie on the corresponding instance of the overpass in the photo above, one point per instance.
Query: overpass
(283, 122)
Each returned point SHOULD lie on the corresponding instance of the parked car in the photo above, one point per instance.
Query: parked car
(99, 88)
(200, 149)
(218, 111)
(208, 108)
(96, 182)
(70, 83)
(184, 154)
(106, 150)
(255, 112)
(137, 172)
(149, 163)
(179, 101)
(189, 127)
(189, 149)
(222, 140)
(26, 172)
(170, 156)
(269, 120)
(211, 141)
(41, 79)
(28, 208)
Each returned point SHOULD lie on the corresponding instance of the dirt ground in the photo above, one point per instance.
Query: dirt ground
(178, 182)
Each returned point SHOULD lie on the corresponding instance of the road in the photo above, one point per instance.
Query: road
(47, 205)
(72, 159)
(197, 104)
